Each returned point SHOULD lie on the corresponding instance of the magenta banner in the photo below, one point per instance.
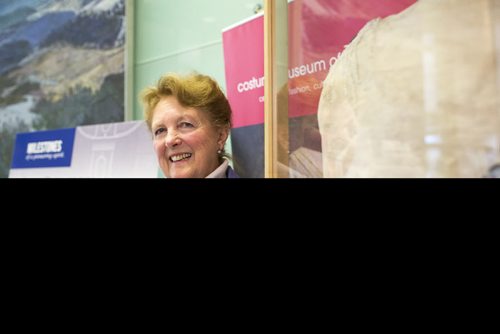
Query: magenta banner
(244, 69)
(318, 31)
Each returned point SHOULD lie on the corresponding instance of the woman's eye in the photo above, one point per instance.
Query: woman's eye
(159, 131)
(185, 125)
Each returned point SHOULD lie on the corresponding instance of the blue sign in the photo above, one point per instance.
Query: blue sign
(44, 149)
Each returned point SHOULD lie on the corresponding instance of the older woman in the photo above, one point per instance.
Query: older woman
(190, 119)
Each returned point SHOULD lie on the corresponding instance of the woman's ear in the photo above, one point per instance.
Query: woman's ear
(223, 134)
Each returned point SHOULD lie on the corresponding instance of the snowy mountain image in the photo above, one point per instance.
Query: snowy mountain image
(61, 66)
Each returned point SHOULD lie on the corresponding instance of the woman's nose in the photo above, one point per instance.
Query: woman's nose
(172, 139)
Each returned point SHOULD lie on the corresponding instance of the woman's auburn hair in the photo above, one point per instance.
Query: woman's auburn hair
(192, 91)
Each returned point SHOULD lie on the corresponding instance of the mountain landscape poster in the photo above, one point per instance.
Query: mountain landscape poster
(61, 66)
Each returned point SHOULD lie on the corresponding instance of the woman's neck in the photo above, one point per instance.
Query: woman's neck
(219, 172)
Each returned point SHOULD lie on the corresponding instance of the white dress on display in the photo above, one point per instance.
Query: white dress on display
(416, 95)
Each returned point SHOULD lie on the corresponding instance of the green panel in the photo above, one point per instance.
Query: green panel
(181, 36)
(206, 60)
(163, 27)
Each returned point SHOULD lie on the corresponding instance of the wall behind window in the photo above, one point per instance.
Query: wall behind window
(180, 36)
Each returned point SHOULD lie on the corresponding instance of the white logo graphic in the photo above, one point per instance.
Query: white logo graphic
(42, 147)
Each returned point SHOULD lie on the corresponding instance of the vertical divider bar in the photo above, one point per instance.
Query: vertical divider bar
(275, 88)
(129, 61)
(269, 60)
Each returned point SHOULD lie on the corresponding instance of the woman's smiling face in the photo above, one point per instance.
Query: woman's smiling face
(185, 141)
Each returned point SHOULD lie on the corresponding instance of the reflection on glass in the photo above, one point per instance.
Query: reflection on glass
(414, 94)
(319, 30)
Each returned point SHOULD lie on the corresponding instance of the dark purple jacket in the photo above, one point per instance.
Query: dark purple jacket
(231, 174)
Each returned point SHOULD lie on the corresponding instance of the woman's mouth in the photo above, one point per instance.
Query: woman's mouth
(180, 157)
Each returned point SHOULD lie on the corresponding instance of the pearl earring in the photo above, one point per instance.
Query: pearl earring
(219, 151)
